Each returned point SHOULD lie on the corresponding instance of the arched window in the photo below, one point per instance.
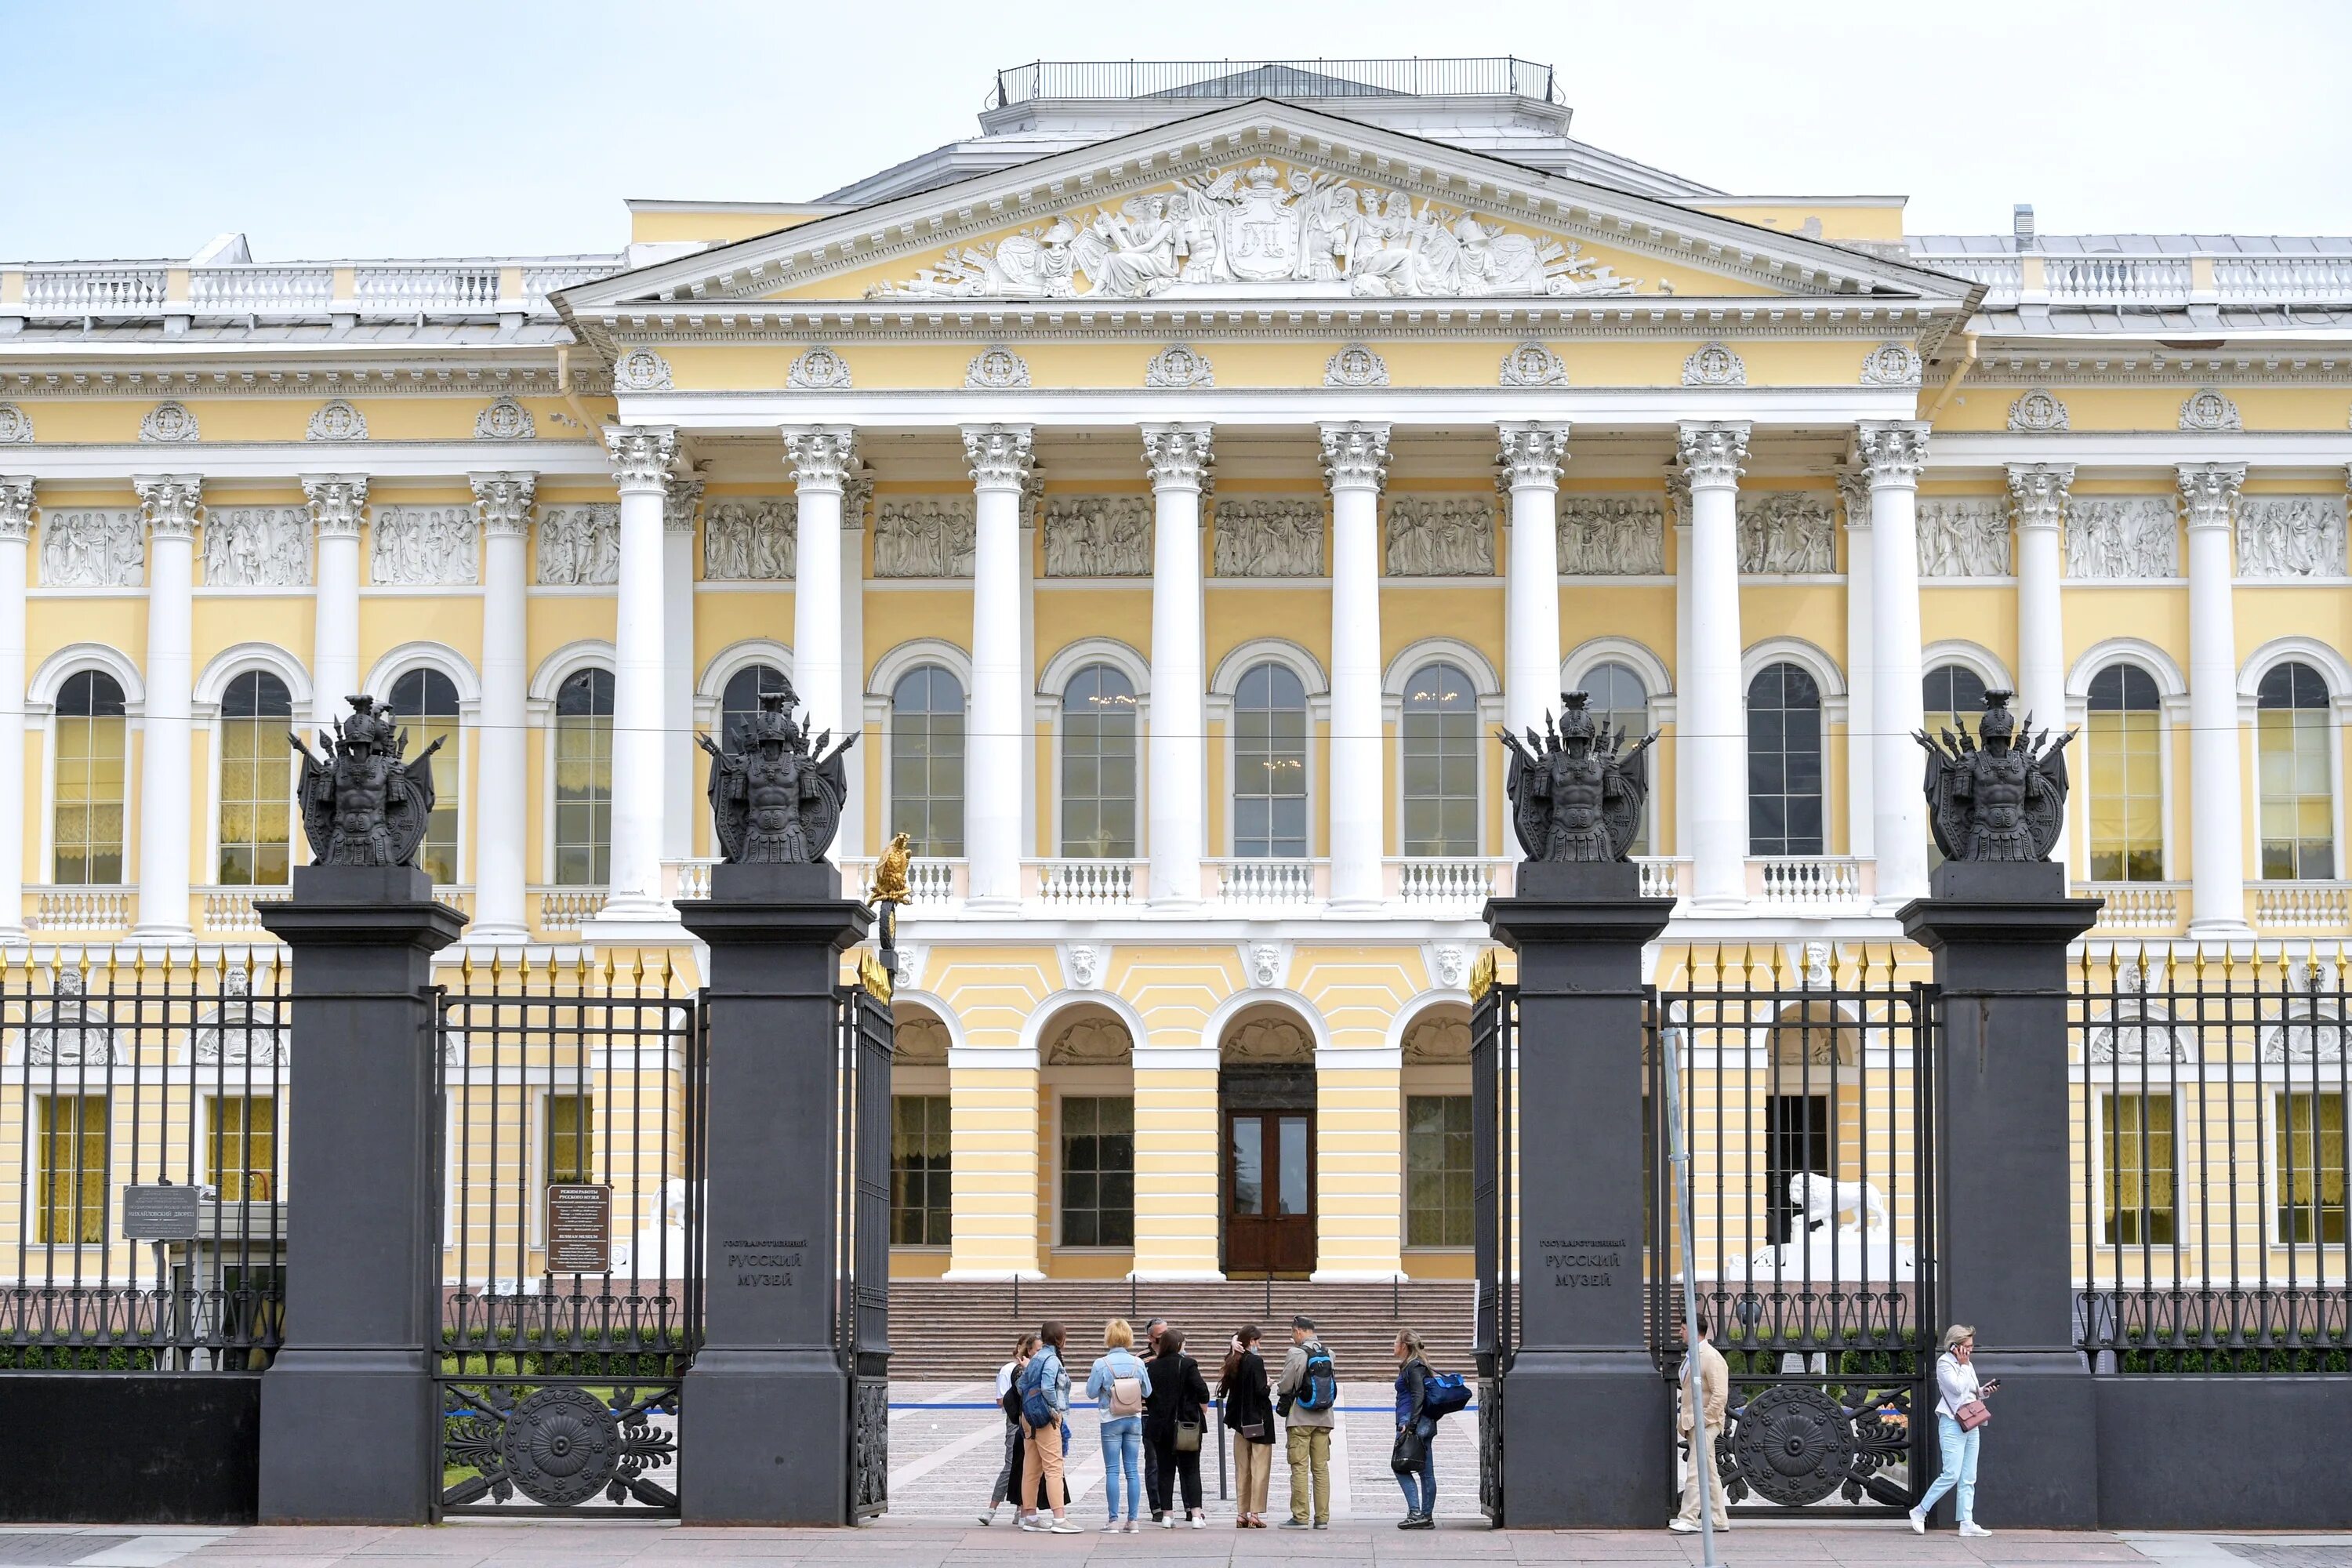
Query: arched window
(926, 761)
(1952, 696)
(745, 689)
(1440, 763)
(1620, 701)
(1784, 762)
(257, 781)
(2298, 794)
(2126, 776)
(425, 700)
(86, 823)
(1270, 764)
(1098, 764)
(583, 779)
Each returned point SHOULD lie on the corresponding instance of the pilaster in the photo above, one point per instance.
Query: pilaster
(682, 796)
(1861, 759)
(16, 507)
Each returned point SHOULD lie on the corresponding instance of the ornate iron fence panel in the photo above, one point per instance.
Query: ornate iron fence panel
(866, 1035)
(571, 1100)
(2210, 1135)
(1808, 1115)
(1493, 1057)
(145, 1095)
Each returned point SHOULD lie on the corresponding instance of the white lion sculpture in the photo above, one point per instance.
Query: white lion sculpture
(1820, 1199)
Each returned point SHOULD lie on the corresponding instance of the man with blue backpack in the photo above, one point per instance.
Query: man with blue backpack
(1308, 1399)
(1423, 1399)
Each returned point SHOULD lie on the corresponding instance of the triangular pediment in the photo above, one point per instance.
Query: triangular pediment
(1267, 200)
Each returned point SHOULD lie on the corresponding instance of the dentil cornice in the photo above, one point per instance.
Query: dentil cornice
(821, 454)
(642, 454)
(1712, 453)
(680, 501)
(1177, 456)
(2208, 490)
(1894, 451)
(503, 501)
(1356, 455)
(170, 504)
(1532, 453)
(337, 501)
(999, 455)
(2040, 491)
(15, 507)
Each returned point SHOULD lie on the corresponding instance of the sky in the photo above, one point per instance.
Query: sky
(142, 128)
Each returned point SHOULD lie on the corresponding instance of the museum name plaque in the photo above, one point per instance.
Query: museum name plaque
(578, 1227)
(1584, 1265)
(765, 1264)
(163, 1212)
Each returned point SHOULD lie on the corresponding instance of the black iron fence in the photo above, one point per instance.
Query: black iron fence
(144, 1096)
(2211, 1198)
(862, 1321)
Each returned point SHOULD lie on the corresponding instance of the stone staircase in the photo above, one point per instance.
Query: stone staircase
(942, 1330)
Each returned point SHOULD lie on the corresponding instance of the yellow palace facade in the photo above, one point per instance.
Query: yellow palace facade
(1174, 487)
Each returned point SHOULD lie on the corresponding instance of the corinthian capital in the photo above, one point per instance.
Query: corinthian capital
(1177, 456)
(821, 454)
(336, 502)
(2208, 491)
(503, 501)
(15, 507)
(1356, 455)
(2039, 491)
(1531, 454)
(1712, 453)
(680, 501)
(999, 455)
(641, 454)
(170, 504)
(1894, 451)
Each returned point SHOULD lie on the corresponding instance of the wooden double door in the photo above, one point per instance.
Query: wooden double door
(1269, 1191)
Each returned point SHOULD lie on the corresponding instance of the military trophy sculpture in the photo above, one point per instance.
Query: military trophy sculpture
(1998, 795)
(1576, 791)
(775, 795)
(361, 805)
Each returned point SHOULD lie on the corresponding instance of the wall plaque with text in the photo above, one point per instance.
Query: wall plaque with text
(578, 1227)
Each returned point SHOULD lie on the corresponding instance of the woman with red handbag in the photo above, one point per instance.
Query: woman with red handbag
(1960, 1419)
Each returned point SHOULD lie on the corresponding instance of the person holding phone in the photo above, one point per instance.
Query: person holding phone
(1960, 1420)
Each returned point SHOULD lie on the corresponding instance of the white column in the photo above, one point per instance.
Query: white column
(681, 794)
(1713, 702)
(2039, 491)
(1678, 484)
(502, 799)
(1354, 462)
(1033, 507)
(1894, 451)
(856, 491)
(16, 532)
(1861, 759)
(820, 456)
(337, 503)
(999, 727)
(1177, 456)
(641, 460)
(172, 504)
(1530, 460)
(2217, 851)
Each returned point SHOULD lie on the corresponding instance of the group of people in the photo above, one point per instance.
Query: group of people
(1155, 1403)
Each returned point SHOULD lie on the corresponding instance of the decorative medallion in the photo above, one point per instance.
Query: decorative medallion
(1177, 366)
(1356, 365)
(1714, 364)
(641, 370)
(2209, 410)
(1083, 963)
(1533, 365)
(15, 425)
(1270, 963)
(818, 370)
(1891, 364)
(1794, 1444)
(168, 422)
(337, 421)
(996, 369)
(504, 420)
(2036, 412)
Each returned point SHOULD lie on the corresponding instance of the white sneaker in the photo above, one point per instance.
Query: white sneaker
(1111, 1529)
(1972, 1528)
(1200, 1521)
(1683, 1527)
(1029, 1524)
(1167, 1521)
(988, 1518)
(1063, 1527)
(1918, 1522)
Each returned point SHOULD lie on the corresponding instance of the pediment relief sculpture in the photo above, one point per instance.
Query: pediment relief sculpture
(750, 538)
(256, 546)
(2291, 536)
(1441, 536)
(2122, 537)
(1097, 536)
(422, 545)
(1786, 533)
(1612, 536)
(925, 536)
(1964, 536)
(1269, 536)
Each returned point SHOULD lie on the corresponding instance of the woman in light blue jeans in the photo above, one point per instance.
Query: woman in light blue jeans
(1956, 1385)
(1120, 1383)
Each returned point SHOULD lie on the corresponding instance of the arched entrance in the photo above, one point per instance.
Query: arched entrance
(1266, 1108)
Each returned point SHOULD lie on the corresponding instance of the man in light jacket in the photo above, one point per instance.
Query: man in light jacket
(1308, 1431)
(1714, 1399)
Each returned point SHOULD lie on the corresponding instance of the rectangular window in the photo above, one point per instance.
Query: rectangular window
(2138, 1199)
(1098, 1171)
(69, 1168)
(2309, 1181)
(256, 812)
(241, 1147)
(2297, 794)
(88, 826)
(2126, 793)
(1438, 1170)
(571, 1139)
(920, 1169)
(583, 800)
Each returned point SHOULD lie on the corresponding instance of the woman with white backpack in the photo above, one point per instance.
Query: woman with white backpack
(1121, 1382)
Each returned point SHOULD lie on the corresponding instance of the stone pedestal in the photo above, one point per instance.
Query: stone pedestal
(763, 1417)
(350, 1433)
(1999, 933)
(1586, 1415)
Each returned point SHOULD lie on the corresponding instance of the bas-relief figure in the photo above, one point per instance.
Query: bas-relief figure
(1964, 536)
(1612, 536)
(2291, 536)
(750, 538)
(1441, 536)
(2122, 537)
(239, 1028)
(776, 791)
(925, 536)
(1240, 226)
(1998, 793)
(1091, 1041)
(1576, 791)
(256, 546)
(74, 1031)
(92, 547)
(362, 803)
(422, 545)
(1787, 533)
(579, 545)
(1097, 536)
(1269, 536)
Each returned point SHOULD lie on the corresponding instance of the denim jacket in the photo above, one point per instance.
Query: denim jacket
(1109, 1368)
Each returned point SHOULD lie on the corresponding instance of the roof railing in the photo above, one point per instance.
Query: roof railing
(2169, 281)
(1234, 80)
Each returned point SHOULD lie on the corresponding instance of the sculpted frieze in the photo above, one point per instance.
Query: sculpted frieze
(579, 545)
(1612, 536)
(1269, 536)
(423, 546)
(925, 536)
(750, 538)
(256, 546)
(92, 547)
(1441, 536)
(2122, 537)
(1787, 533)
(1268, 226)
(2291, 536)
(1097, 536)
(1964, 536)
